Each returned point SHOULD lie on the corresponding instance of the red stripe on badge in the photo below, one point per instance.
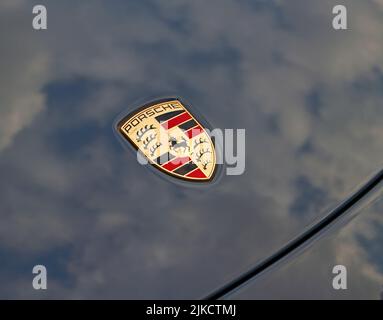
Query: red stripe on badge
(191, 133)
(175, 163)
(176, 121)
(197, 173)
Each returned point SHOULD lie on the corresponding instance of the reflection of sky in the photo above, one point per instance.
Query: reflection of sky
(72, 198)
(359, 251)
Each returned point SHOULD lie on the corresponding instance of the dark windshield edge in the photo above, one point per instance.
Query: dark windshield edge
(299, 241)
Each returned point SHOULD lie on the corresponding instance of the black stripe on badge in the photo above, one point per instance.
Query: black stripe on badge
(167, 116)
(187, 125)
(163, 158)
(185, 169)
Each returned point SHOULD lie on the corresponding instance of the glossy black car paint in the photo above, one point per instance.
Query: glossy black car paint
(74, 200)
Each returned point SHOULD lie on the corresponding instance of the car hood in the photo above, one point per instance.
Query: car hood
(75, 200)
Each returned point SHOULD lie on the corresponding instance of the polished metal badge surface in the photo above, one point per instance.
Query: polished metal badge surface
(172, 139)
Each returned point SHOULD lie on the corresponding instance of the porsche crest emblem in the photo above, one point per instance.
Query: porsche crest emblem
(172, 139)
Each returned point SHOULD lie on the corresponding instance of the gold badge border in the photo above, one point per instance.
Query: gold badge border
(151, 104)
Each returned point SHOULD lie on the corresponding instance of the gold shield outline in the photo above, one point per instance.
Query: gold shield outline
(202, 123)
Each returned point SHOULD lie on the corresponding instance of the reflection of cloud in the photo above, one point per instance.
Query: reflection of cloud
(312, 271)
(20, 99)
(308, 97)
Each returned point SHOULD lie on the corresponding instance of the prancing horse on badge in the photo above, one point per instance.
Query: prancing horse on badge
(172, 139)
